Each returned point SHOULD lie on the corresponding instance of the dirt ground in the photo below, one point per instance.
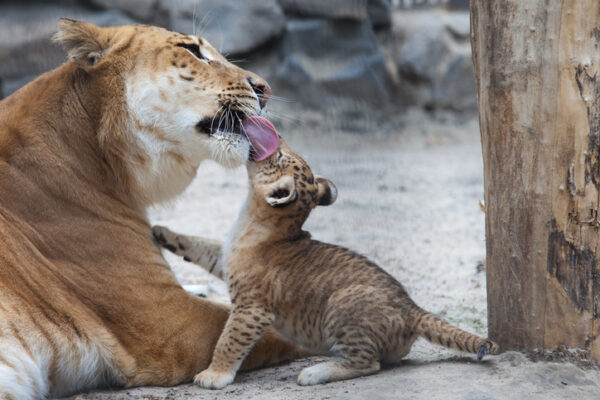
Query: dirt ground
(408, 198)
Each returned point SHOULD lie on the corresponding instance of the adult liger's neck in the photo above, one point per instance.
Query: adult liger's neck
(50, 132)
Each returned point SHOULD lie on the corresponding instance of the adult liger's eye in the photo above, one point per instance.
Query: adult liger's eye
(194, 49)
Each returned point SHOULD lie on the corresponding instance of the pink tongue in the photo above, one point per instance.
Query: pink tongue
(262, 135)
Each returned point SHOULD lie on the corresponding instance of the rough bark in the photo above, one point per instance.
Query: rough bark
(536, 67)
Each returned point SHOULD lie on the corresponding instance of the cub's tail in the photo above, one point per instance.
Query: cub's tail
(441, 332)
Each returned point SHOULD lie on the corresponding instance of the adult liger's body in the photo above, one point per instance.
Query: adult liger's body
(86, 298)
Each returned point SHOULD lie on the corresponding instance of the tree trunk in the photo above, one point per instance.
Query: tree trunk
(536, 68)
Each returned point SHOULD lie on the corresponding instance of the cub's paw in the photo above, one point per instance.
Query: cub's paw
(209, 379)
(320, 373)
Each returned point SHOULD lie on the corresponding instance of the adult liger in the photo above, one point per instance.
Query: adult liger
(86, 298)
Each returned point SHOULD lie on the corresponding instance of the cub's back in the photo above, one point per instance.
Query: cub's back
(307, 273)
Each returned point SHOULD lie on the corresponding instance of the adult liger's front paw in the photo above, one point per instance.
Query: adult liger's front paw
(209, 379)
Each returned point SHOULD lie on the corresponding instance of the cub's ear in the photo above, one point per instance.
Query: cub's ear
(281, 192)
(326, 191)
(83, 42)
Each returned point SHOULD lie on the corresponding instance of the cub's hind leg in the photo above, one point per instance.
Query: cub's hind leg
(198, 250)
(336, 370)
(356, 356)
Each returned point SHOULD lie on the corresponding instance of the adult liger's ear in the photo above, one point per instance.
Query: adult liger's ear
(281, 192)
(326, 191)
(83, 42)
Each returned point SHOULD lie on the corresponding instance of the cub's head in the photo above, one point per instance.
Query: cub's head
(164, 102)
(284, 189)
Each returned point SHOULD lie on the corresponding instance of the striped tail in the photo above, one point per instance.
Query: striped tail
(441, 332)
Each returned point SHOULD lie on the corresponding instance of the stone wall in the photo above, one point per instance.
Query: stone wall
(377, 52)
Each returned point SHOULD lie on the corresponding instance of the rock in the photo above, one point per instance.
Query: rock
(457, 4)
(142, 10)
(109, 18)
(418, 4)
(323, 57)
(26, 49)
(458, 26)
(419, 47)
(431, 51)
(455, 89)
(333, 9)
(378, 11)
(231, 26)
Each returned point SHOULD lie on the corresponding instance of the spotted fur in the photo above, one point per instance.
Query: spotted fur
(324, 297)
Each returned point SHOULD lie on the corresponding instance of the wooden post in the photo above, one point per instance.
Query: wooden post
(536, 67)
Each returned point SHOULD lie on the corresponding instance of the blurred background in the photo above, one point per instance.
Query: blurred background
(325, 54)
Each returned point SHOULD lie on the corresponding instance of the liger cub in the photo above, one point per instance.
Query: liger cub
(324, 297)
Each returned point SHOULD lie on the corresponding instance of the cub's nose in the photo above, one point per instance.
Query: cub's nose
(262, 90)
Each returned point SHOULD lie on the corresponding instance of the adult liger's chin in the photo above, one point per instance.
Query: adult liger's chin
(229, 149)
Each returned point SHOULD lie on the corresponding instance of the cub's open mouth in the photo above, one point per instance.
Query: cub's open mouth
(259, 131)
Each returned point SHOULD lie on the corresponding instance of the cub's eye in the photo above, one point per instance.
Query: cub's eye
(194, 49)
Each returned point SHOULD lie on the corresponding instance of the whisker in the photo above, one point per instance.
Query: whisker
(227, 116)
(282, 99)
(222, 115)
(245, 109)
(229, 119)
(194, 19)
(283, 116)
(240, 103)
(204, 20)
(219, 112)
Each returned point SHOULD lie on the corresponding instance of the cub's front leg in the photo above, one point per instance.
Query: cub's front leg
(245, 326)
(201, 251)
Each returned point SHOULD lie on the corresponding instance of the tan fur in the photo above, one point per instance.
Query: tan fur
(324, 297)
(86, 298)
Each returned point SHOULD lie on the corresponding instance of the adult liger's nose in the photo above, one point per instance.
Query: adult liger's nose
(262, 90)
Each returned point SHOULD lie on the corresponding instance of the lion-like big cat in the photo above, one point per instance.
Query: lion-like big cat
(86, 298)
(324, 297)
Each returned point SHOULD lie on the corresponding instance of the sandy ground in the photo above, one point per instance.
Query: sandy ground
(408, 198)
